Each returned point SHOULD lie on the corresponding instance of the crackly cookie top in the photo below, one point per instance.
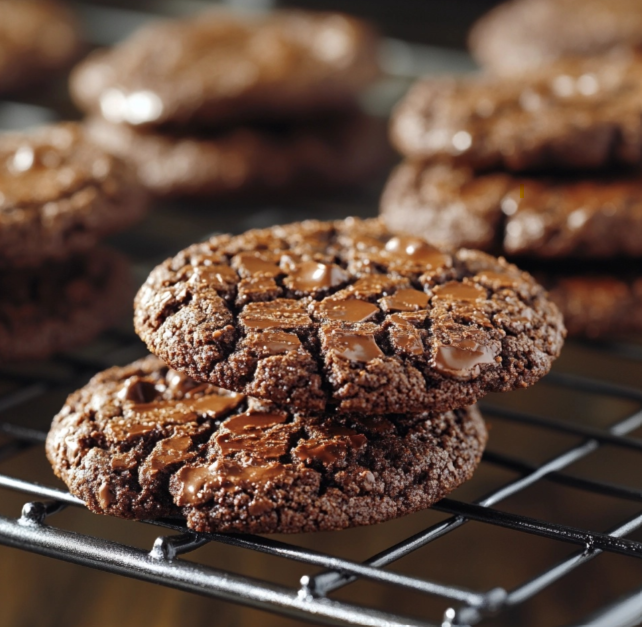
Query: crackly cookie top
(144, 441)
(218, 67)
(565, 216)
(574, 114)
(36, 37)
(348, 314)
(59, 193)
(524, 35)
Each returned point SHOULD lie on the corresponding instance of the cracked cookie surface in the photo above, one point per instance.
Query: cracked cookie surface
(143, 441)
(350, 316)
(60, 193)
(574, 114)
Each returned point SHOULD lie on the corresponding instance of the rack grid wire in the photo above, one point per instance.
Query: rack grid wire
(312, 601)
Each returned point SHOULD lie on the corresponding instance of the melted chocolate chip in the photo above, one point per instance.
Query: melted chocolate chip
(417, 251)
(169, 451)
(216, 276)
(249, 264)
(347, 310)
(278, 314)
(462, 359)
(193, 482)
(405, 300)
(356, 347)
(455, 290)
(277, 342)
(310, 276)
(138, 390)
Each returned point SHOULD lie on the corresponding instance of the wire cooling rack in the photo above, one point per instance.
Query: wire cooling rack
(591, 411)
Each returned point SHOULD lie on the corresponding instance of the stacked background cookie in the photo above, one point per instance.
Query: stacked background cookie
(238, 106)
(59, 195)
(537, 159)
(352, 357)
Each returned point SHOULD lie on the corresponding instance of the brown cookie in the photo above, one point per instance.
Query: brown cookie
(349, 315)
(250, 161)
(143, 442)
(556, 217)
(597, 304)
(525, 35)
(61, 305)
(218, 67)
(60, 193)
(574, 114)
(37, 37)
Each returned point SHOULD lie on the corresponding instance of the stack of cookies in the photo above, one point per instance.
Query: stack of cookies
(59, 194)
(541, 166)
(307, 377)
(220, 105)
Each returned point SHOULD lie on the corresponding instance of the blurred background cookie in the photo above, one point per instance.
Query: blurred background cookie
(219, 68)
(242, 161)
(524, 35)
(61, 305)
(37, 37)
(60, 193)
(225, 105)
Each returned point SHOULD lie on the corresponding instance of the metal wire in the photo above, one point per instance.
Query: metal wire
(34, 532)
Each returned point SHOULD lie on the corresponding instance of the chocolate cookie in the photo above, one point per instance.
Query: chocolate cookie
(597, 304)
(59, 193)
(347, 314)
(246, 161)
(145, 442)
(61, 305)
(575, 114)
(556, 217)
(524, 35)
(219, 67)
(37, 37)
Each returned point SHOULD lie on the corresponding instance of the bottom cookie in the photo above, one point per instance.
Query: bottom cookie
(244, 161)
(144, 441)
(61, 305)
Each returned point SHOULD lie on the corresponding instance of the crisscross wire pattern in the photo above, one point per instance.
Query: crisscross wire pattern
(314, 600)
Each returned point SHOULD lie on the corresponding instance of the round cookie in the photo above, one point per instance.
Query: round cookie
(557, 217)
(574, 114)
(60, 193)
(349, 315)
(250, 161)
(218, 67)
(37, 37)
(61, 305)
(525, 35)
(143, 441)
(597, 304)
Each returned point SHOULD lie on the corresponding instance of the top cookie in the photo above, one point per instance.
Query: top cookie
(36, 38)
(59, 193)
(575, 114)
(525, 35)
(216, 68)
(349, 315)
